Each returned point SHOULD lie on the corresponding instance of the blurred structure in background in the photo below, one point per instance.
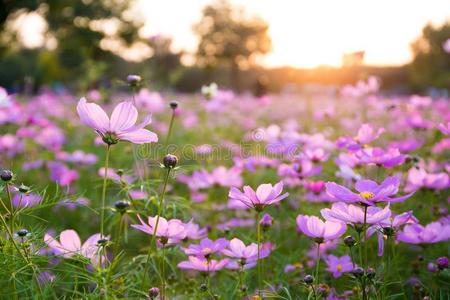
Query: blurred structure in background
(354, 59)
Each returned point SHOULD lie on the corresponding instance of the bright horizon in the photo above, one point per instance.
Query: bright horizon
(310, 34)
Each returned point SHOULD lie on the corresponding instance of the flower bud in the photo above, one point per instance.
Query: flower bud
(24, 189)
(122, 205)
(266, 222)
(349, 241)
(431, 267)
(173, 104)
(6, 175)
(323, 290)
(203, 287)
(133, 80)
(120, 172)
(370, 272)
(102, 242)
(308, 279)
(358, 272)
(170, 161)
(22, 232)
(442, 262)
(153, 292)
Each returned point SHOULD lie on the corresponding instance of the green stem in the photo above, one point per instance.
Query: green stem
(11, 215)
(258, 237)
(360, 251)
(169, 132)
(365, 251)
(365, 236)
(105, 178)
(153, 239)
(163, 273)
(102, 211)
(317, 264)
(119, 236)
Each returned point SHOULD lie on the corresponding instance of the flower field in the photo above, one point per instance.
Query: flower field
(135, 194)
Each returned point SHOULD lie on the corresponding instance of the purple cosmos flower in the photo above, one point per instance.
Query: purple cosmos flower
(265, 195)
(321, 231)
(46, 277)
(203, 264)
(266, 221)
(194, 232)
(338, 265)
(235, 222)
(61, 174)
(419, 178)
(121, 125)
(226, 177)
(386, 158)
(169, 232)
(315, 155)
(206, 247)
(369, 191)
(418, 234)
(77, 157)
(352, 214)
(246, 256)
(367, 134)
(26, 200)
(390, 226)
(444, 128)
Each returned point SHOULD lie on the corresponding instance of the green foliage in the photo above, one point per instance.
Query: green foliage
(431, 64)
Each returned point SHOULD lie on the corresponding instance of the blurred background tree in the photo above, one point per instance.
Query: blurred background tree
(165, 64)
(431, 64)
(77, 44)
(227, 35)
(90, 43)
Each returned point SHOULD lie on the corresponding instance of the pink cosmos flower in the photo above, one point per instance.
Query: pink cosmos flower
(378, 156)
(419, 178)
(265, 195)
(352, 214)
(321, 231)
(77, 157)
(418, 234)
(61, 174)
(169, 232)
(444, 128)
(369, 192)
(338, 265)
(247, 256)
(121, 125)
(203, 264)
(113, 175)
(391, 226)
(206, 247)
(69, 244)
(26, 200)
(194, 232)
(367, 134)
(235, 223)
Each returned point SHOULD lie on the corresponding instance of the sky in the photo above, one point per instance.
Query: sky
(315, 32)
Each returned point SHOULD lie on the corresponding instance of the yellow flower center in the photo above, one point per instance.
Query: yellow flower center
(367, 195)
(339, 267)
(206, 250)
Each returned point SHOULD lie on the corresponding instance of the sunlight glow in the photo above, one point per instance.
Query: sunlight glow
(313, 33)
